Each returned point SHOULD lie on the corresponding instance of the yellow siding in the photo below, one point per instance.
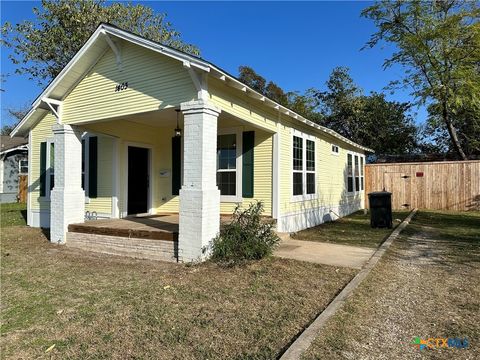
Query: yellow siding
(262, 174)
(102, 204)
(39, 133)
(330, 171)
(159, 139)
(245, 108)
(157, 82)
(154, 82)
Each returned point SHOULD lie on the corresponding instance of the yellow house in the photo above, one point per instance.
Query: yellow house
(133, 127)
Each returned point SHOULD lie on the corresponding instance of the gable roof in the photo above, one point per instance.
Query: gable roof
(97, 44)
(8, 142)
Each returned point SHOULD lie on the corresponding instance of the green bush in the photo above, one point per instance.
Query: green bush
(246, 237)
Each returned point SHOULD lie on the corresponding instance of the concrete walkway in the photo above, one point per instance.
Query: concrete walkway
(323, 253)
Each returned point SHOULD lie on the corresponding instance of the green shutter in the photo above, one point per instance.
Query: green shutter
(92, 166)
(43, 168)
(176, 165)
(247, 166)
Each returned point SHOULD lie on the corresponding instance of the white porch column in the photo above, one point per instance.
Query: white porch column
(67, 198)
(199, 195)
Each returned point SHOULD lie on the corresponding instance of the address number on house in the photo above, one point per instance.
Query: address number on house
(121, 87)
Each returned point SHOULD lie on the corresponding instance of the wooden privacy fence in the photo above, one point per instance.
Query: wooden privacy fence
(448, 185)
(22, 188)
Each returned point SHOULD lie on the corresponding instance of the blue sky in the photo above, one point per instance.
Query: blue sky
(295, 44)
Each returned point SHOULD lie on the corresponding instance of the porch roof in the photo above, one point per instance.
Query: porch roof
(101, 40)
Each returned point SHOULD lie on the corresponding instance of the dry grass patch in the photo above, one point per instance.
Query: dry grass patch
(97, 306)
(427, 285)
(353, 230)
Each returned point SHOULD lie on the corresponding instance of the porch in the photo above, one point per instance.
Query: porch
(139, 169)
(145, 237)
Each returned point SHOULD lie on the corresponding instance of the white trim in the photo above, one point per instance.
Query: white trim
(29, 182)
(20, 167)
(48, 190)
(238, 132)
(39, 218)
(299, 220)
(360, 191)
(304, 196)
(115, 179)
(336, 153)
(17, 148)
(276, 174)
(57, 79)
(150, 176)
(86, 160)
(115, 49)
(188, 61)
(1, 174)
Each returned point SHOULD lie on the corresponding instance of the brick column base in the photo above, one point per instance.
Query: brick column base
(67, 199)
(199, 224)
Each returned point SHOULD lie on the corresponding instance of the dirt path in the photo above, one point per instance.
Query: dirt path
(427, 286)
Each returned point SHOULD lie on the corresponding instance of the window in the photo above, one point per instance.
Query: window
(83, 165)
(349, 173)
(227, 164)
(361, 174)
(23, 167)
(310, 167)
(335, 149)
(357, 174)
(303, 176)
(297, 165)
(51, 167)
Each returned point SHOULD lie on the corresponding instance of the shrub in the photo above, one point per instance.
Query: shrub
(246, 237)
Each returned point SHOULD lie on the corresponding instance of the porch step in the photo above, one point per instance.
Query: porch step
(124, 232)
(163, 250)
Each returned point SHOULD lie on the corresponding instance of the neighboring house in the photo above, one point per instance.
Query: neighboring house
(13, 162)
(132, 126)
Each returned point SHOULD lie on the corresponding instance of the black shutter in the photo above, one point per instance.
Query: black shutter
(92, 166)
(43, 168)
(176, 165)
(247, 166)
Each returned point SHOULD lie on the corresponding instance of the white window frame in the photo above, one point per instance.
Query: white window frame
(20, 167)
(336, 153)
(86, 137)
(48, 168)
(238, 131)
(361, 173)
(304, 196)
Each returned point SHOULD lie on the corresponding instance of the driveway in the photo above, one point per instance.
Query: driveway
(323, 253)
(424, 291)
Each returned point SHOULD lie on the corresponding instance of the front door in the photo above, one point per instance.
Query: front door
(138, 180)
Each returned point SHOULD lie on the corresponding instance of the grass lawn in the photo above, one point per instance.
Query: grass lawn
(427, 286)
(353, 229)
(98, 306)
(13, 214)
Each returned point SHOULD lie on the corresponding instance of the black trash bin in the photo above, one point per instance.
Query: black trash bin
(380, 209)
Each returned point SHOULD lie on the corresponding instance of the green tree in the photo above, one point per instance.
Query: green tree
(438, 43)
(249, 77)
(467, 125)
(15, 114)
(384, 126)
(340, 103)
(304, 104)
(42, 48)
